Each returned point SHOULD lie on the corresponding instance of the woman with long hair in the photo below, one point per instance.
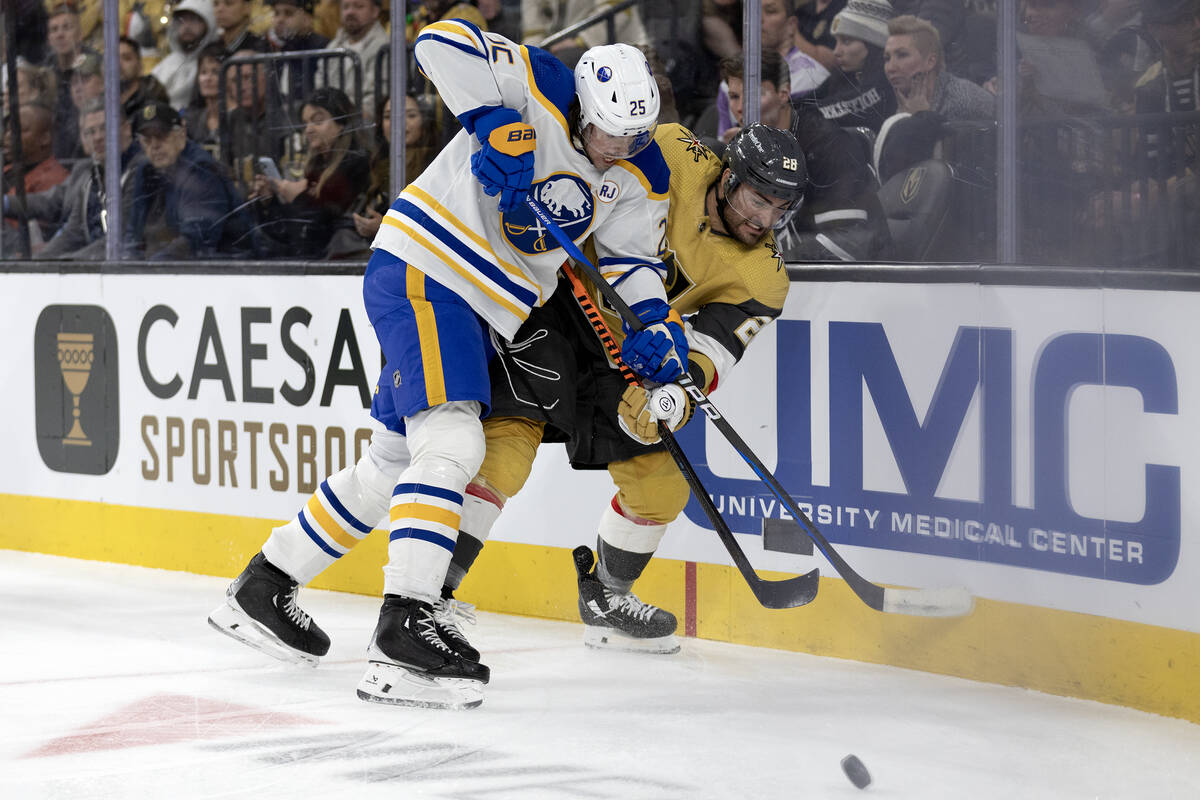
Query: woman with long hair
(420, 147)
(299, 217)
(202, 117)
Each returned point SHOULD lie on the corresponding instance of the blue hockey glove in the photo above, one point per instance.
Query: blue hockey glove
(504, 163)
(659, 351)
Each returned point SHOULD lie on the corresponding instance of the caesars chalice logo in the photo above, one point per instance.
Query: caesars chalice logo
(75, 356)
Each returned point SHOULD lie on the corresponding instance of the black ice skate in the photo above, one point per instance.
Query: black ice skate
(617, 621)
(409, 664)
(260, 610)
(448, 616)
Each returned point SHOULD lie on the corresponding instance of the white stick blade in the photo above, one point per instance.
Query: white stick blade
(955, 601)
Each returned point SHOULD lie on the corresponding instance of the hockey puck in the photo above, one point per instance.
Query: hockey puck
(855, 771)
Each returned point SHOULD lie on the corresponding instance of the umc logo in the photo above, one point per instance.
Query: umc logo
(1050, 534)
(568, 200)
(76, 390)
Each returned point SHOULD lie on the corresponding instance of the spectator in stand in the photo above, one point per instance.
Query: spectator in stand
(774, 92)
(66, 47)
(232, 18)
(193, 25)
(82, 199)
(420, 147)
(841, 219)
(857, 93)
(257, 126)
(87, 82)
(361, 33)
(916, 68)
(1165, 193)
(815, 29)
(137, 90)
(183, 206)
(1172, 83)
(202, 117)
(292, 32)
(298, 218)
(64, 39)
(778, 34)
(42, 171)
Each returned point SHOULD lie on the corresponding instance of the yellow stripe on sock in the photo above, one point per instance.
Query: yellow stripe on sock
(426, 512)
(328, 524)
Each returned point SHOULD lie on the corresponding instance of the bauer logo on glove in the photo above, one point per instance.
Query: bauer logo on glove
(513, 139)
(504, 163)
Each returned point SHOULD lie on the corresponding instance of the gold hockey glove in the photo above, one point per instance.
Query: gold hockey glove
(640, 411)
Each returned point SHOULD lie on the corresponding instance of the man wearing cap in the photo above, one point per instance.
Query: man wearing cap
(193, 25)
(857, 92)
(362, 33)
(183, 207)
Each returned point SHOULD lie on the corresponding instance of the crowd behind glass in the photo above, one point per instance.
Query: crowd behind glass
(260, 129)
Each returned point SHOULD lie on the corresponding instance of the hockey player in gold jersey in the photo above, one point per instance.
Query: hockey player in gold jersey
(554, 382)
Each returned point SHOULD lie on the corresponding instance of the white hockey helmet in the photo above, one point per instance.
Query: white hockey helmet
(618, 94)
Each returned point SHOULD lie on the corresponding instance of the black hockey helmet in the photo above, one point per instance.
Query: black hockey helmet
(768, 160)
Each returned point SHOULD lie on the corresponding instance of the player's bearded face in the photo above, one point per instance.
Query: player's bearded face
(604, 149)
(750, 214)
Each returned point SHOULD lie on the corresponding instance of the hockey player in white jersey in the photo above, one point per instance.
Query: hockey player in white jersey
(459, 259)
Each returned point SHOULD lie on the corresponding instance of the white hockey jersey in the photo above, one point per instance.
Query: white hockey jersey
(503, 265)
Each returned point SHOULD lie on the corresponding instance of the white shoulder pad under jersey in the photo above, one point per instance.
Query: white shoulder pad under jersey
(503, 265)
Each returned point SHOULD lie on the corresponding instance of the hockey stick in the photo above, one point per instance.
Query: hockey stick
(787, 593)
(948, 602)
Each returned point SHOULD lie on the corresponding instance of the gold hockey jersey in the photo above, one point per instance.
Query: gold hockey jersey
(727, 291)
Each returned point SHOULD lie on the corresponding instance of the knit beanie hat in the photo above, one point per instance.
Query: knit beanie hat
(864, 19)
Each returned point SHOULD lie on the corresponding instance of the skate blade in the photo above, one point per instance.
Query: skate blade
(602, 638)
(234, 623)
(394, 685)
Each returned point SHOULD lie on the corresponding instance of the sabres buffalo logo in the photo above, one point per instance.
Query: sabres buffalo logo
(570, 203)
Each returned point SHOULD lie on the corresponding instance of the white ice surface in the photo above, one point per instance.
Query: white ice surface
(113, 686)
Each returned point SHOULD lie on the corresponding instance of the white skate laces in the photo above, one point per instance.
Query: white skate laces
(629, 604)
(451, 614)
(427, 630)
(293, 611)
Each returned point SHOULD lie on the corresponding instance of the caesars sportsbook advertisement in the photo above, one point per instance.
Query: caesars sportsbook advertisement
(1031, 444)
